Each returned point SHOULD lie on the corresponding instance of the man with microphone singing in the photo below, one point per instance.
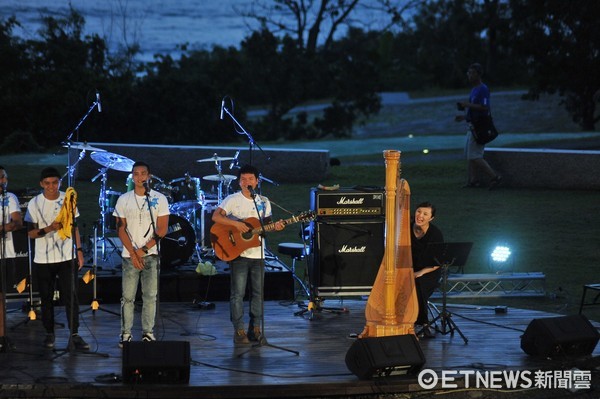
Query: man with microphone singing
(232, 211)
(142, 220)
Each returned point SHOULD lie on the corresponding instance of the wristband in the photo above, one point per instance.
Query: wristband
(145, 249)
(41, 232)
(80, 249)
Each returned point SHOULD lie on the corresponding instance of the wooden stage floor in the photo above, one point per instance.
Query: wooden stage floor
(221, 370)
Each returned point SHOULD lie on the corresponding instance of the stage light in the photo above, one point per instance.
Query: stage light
(425, 151)
(501, 259)
(500, 254)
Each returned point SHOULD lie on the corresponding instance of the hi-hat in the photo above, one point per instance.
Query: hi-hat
(226, 178)
(215, 158)
(113, 161)
(82, 146)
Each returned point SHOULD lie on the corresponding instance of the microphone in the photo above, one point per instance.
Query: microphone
(234, 161)
(252, 192)
(98, 101)
(147, 187)
(222, 107)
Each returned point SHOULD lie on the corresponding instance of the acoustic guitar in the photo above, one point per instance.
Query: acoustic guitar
(228, 242)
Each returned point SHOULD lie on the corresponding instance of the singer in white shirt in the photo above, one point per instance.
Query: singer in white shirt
(11, 217)
(232, 211)
(142, 220)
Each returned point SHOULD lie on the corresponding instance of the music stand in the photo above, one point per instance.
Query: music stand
(445, 255)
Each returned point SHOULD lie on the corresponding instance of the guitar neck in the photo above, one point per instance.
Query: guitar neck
(271, 226)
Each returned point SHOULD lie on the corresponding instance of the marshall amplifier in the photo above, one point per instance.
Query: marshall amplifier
(346, 255)
(348, 202)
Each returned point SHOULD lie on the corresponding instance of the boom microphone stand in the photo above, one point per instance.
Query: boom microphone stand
(251, 142)
(70, 345)
(263, 340)
(158, 263)
(4, 341)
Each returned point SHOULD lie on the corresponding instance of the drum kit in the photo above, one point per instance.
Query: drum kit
(188, 204)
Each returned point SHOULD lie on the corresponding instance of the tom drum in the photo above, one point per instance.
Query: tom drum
(178, 245)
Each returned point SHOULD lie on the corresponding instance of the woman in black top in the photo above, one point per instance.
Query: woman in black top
(427, 272)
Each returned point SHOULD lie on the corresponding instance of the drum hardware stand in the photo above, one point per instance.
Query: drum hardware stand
(102, 199)
(95, 305)
(262, 340)
(446, 255)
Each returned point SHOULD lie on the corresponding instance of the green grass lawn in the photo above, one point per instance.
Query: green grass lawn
(550, 231)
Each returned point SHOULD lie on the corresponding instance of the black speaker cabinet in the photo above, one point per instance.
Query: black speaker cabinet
(384, 356)
(347, 255)
(560, 337)
(158, 362)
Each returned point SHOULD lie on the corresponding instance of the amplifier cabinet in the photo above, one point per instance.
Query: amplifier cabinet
(346, 255)
(348, 202)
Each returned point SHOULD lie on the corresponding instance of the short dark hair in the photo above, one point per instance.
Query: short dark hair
(49, 172)
(248, 169)
(140, 163)
(477, 68)
(2, 167)
(427, 204)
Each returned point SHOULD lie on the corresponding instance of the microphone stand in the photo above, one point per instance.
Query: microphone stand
(158, 263)
(5, 343)
(70, 345)
(67, 142)
(251, 142)
(263, 340)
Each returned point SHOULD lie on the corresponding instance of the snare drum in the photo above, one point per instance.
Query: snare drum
(187, 194)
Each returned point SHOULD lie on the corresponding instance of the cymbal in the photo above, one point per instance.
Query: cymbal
(215, 158)
(226, 178)
(82, 146)
(113, 161)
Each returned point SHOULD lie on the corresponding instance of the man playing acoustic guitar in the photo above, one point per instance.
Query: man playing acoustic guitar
(235, 212)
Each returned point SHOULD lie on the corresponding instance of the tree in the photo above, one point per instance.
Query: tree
(561, 40)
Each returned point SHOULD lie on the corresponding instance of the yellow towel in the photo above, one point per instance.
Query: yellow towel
(66, 214)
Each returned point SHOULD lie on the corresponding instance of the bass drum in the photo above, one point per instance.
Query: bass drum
(178, 245)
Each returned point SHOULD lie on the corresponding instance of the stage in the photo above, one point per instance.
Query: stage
(308, 360)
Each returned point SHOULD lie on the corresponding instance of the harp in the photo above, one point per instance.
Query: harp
(392, 307)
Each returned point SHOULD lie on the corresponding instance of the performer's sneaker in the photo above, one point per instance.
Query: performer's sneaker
(79, 343)
(124, 338)
(254, 334)
(49, 341)
(148, 337)
(240, 338)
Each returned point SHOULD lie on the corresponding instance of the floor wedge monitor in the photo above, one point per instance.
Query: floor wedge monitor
(158, 362)
(556, 337)
(385, 356)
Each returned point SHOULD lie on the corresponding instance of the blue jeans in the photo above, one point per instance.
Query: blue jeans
(149, 279)
(241, 268)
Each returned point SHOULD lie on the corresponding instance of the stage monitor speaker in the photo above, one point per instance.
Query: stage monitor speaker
(560, 337)
(158, 362)
(347, 255)
(384, 356)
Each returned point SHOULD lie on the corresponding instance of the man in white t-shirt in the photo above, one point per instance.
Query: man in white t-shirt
(11, 217)
(232, 211)
(142, 220)
(54, 256)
